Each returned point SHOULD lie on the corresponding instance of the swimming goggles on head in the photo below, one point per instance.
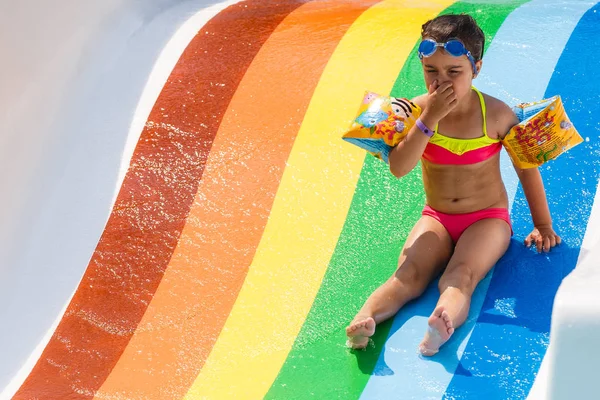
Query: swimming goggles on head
(454, 47)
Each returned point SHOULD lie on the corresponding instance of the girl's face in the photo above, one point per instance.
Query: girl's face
(443, 67)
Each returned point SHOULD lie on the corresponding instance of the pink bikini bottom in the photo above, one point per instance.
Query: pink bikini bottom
(456, 224)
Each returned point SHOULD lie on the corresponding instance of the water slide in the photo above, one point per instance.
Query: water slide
(181, 220)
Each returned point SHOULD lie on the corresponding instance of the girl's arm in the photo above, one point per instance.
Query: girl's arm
(543, 235)
(405, 156)
(533, 187)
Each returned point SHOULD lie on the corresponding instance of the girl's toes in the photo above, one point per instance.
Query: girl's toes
(446, 317)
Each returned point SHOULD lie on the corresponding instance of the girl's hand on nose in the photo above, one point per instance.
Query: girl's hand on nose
(440, 101)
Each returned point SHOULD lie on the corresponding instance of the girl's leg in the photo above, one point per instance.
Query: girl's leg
(477, 251)
(426, 251)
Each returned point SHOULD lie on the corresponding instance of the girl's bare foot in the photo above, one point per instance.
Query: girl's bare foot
(439, 331)
(359, 332)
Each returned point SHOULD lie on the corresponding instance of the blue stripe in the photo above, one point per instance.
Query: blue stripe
(512, 331)
(514, 46)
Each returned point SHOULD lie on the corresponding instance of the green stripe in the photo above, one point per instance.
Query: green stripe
(381, 215)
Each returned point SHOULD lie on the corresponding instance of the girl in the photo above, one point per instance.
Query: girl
(465, 226)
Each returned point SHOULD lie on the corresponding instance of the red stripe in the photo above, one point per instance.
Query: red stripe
(440, 155)
(153, 204)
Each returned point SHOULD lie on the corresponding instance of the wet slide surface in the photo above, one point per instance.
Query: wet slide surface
(247, 234)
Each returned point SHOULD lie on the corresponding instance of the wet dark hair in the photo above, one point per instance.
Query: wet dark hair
(456, 26)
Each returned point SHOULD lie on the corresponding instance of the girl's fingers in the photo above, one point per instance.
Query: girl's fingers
(546, 247)
(433, 86)
(449, 94)
(542, 243)
(443, 87)
(539, 244)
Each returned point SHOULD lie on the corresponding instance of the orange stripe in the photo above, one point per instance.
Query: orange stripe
(153, 204)
(232, 205)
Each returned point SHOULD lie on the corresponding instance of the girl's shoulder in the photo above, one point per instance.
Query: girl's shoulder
(499, 115)
(494, 104)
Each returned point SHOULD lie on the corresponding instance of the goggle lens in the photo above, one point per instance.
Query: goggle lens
(427, 47)
(455, 48)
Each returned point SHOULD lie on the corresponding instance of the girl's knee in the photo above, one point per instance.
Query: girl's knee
(411, 277)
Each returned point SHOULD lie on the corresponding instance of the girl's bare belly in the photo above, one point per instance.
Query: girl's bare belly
(458, 189)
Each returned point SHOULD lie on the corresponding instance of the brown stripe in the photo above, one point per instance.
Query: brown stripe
(153, 203)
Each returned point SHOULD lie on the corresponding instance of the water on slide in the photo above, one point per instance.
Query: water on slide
(244, 234)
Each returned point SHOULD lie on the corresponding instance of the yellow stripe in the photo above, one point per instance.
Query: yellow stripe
(310, 206)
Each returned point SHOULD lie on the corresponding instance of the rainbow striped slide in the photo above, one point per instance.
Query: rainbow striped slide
(246, 234)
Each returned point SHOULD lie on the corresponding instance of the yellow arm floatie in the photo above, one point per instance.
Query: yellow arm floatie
(381, 123)
(544, 133)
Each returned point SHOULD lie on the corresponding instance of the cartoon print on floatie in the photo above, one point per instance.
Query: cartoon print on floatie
(369, 119)
(403, 109)
(381, 123)
(369, 97)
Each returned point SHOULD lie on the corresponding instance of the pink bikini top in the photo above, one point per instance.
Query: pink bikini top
(454, 151)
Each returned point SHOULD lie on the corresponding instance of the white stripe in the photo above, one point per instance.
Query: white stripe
(32, 324)
(516, 68)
